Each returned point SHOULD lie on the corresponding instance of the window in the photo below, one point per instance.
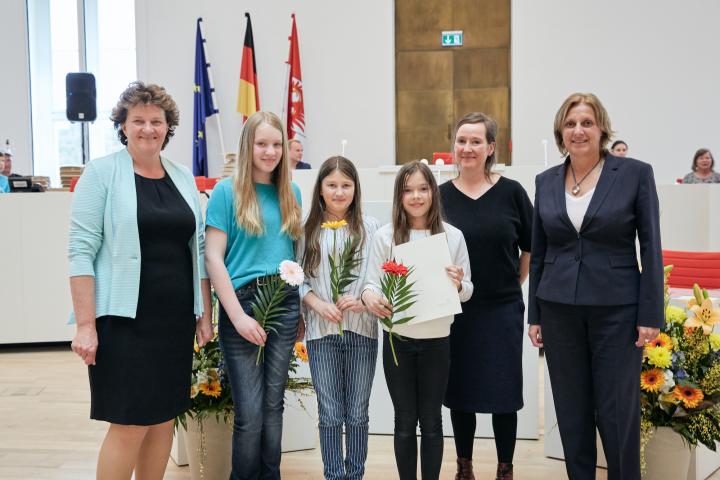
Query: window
(58, 45)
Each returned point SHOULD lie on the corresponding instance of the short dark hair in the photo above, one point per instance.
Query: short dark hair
(616, 143)
(699, 154)
(138, 93)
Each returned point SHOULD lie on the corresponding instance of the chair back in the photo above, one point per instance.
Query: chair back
(689, 268)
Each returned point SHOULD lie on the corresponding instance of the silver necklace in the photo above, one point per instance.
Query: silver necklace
(576, 187)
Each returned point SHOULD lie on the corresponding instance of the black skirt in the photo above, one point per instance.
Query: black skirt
(143, 364)
(486, 360)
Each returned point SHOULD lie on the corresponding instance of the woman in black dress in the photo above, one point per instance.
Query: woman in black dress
(495, 215)
(138, 284)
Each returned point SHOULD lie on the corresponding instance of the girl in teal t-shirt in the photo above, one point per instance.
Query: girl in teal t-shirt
(253, 218)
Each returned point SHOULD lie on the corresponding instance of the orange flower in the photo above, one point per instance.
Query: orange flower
(689, 396)
(211, 389)
(652, 380)
(394, 268)
(662, 340)
(301, 351)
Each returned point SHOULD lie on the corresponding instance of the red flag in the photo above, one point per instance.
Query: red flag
(295, 103)
(248, 92)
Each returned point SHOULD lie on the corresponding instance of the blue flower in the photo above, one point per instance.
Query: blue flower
(681, 374)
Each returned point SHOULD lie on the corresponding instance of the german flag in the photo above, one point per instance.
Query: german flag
(248, 93)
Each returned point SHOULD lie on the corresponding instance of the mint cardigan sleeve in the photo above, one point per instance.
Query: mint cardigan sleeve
(86, 222)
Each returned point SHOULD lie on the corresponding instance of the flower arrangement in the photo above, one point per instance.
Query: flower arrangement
(342, 266)
(266, 305)
(398, 292)
(680, 377)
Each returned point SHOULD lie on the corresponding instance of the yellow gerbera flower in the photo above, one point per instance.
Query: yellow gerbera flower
(211, 389)
(659, 356)
(662, 340)
(333, 225)
(675, 314)
(689, 396)
(301, 351)
(652, 380)
(705, 316)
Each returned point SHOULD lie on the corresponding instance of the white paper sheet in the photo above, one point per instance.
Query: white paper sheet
(437, 296)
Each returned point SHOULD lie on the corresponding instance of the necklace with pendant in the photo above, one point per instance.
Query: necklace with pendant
(576, 186)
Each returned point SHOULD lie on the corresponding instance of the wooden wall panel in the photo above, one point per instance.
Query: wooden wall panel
(486, 23)
(418, 23)
(481, 68)
(424, 70)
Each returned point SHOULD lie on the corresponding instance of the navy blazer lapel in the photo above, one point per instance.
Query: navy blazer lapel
(604, 185)
(558, 193)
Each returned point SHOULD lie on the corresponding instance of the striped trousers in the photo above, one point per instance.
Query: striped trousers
(342, 370)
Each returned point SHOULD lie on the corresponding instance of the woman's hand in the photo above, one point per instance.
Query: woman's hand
(204, 330)
(348, 302)
(250, 329)
(535, 334)
(646, 334)
(376, 304)
(456, 275)
(85, 343)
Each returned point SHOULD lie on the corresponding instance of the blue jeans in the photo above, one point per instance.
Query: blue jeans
(342, 370)
(258, 390)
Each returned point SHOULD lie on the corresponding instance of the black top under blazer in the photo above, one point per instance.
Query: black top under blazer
(598, 265)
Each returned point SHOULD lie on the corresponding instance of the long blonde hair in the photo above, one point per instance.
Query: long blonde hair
(247, 209)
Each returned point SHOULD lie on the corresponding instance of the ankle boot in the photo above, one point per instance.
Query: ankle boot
(464, 469)
(504, 471)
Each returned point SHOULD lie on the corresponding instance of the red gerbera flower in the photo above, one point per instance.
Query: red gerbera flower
(394, 268)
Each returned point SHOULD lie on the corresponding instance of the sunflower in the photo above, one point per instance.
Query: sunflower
(662, 340)
(301, 351)
(659, 356)
(333, 225)
(705, 316)
(211, 389)
(688, 395)
(652, 380)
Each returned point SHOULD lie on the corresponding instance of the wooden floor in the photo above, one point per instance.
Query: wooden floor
(45, 432)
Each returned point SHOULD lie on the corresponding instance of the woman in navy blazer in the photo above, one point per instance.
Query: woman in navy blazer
(590, 305)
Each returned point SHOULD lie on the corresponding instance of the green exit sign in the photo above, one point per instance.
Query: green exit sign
(452, 38)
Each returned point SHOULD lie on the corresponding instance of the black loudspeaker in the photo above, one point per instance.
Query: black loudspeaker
(81, 97)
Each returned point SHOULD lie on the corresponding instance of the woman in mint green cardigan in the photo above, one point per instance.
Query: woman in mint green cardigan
(138, 283)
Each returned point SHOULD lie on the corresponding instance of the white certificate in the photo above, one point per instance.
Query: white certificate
(437, 296)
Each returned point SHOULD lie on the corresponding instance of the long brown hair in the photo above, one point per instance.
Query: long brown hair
(311, 253)
(400, 220)
(247, 209)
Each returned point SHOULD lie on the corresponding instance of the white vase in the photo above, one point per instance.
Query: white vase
(667, 456)
(209, 450)
(300, 420)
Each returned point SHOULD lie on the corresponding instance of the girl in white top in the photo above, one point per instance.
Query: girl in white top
(342, 366)
(417, 384)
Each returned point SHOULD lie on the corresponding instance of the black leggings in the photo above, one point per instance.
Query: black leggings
(416, 387)
(504, 428)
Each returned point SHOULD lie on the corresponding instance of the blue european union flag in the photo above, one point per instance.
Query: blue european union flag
(203, 106)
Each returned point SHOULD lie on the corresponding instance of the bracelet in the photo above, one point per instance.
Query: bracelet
(361, 298)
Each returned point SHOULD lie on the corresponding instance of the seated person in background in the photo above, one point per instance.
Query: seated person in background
(702, 168)
(295, 151)
(6, 164)
(619, 148)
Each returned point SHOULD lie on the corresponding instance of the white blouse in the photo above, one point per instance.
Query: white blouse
(364, 323)
(381, 252)
(577, 206)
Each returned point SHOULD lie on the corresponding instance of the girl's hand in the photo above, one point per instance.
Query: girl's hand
(328, 311)
(204, 330)
(456, 275)
(376, 304)
(250, 329)
(348, 302)
(301, 329)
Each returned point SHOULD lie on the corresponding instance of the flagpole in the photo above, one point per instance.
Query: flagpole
(287, 82)
(214, 95)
